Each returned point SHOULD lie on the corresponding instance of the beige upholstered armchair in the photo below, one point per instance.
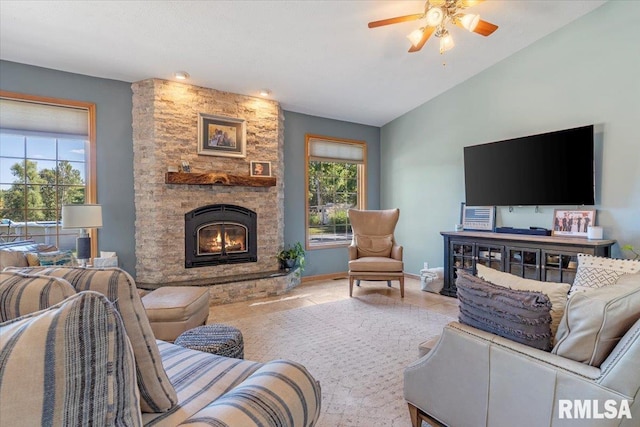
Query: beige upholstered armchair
(373, 253)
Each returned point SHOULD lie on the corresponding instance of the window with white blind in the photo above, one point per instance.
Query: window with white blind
(335, 179)
(47, 159)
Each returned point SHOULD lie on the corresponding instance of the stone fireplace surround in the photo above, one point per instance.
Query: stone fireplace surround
(165, 133)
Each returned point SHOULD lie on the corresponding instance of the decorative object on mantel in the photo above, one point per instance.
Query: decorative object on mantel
(218, 178)
(221, 136)
(573, 223)
(184, 167)
(260, 168)
(292, 257)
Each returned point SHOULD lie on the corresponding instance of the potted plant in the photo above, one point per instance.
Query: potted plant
(292, 256)
(631, 249)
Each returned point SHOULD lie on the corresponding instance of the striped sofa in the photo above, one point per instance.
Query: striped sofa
(77, 349)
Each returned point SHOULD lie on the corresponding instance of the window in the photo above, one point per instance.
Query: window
(336, 176)
(47, 158)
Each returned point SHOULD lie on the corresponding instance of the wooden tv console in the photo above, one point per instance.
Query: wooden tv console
(544, 258)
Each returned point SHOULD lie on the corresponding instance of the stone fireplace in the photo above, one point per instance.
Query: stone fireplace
(165, 134)
(220, 234)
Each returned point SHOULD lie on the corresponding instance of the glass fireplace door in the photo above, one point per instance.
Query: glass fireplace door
(222, 238)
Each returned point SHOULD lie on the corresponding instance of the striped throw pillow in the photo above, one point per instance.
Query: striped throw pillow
(22, 294)
(156, 392)
(68, 365)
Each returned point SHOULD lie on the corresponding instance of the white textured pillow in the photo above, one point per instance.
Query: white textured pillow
(595, 272)
(556, 292)
(595, 321)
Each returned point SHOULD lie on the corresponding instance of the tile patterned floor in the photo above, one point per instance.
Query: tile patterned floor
(357, 390)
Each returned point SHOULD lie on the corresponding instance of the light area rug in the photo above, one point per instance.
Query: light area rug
(357, 349)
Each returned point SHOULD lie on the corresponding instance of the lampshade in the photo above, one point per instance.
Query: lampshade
(415, 36)
(446, 42)
(470, 21)
(81, 216)
(435, 15)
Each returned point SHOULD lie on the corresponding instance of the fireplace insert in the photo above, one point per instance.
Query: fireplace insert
(220, 234)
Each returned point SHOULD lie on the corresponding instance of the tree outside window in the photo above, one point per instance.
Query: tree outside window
(335, 185)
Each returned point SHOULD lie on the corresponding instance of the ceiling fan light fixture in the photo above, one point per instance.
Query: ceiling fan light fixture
(469, 3)
(435, 15)
(470, 21)
(415, 36)
(446, 42)
(181, 75)
(265, 93)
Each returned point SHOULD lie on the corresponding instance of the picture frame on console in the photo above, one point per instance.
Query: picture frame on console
(573, 222)
(222, 136)
(477, 218)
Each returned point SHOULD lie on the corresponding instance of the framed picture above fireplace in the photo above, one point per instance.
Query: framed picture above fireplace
(221, 136)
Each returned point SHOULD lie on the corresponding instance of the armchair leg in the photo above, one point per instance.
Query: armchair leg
(401, 286)
(358, 283)
(417, 417)
(389, 283)
(350, 286)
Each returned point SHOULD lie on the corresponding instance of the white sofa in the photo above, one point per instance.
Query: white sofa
(473, 378)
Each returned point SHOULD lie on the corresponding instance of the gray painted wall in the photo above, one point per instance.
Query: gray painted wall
(573, 77)
(114, 144)
(296, 126)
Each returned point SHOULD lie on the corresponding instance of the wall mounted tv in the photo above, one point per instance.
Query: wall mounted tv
(555, 168)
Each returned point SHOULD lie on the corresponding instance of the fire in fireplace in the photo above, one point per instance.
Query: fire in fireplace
(220, 234)
(222, 238)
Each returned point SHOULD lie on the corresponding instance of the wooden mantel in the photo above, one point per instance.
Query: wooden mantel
(218, 178)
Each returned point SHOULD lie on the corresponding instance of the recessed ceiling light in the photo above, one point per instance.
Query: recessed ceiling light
(265, 92)
(181, 75)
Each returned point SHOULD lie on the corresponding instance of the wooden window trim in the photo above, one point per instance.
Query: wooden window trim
(362, 185)
(91, 192)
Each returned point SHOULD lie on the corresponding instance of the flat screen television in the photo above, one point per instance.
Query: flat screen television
(555, 168)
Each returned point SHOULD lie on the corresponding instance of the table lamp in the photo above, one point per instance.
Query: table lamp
(82, 217)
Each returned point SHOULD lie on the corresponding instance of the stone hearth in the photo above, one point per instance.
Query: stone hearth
(165, 133)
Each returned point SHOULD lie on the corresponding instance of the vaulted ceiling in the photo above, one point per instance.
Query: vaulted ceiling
(316, 57)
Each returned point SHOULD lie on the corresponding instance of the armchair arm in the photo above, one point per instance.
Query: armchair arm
(621, 369)
(280, 393)
(396, 252)
(500, 380)
(353, 252)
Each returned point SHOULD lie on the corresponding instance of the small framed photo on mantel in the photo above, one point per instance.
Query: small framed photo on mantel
(221, 136)
(260, 168)
(477, 218)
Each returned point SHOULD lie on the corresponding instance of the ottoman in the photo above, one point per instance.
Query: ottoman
(217, 339)
(173, 310)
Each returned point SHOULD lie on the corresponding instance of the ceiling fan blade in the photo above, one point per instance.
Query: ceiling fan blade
(395, 20)
(485, 28)
(425, 36)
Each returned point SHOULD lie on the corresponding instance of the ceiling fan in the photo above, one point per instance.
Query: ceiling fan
(437, 13)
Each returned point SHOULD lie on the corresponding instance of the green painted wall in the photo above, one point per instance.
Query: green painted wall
(584, 73)
(296, 126)
(114, 144)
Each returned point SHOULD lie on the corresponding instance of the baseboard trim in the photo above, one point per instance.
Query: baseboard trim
(328, 276)
(343, 275)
